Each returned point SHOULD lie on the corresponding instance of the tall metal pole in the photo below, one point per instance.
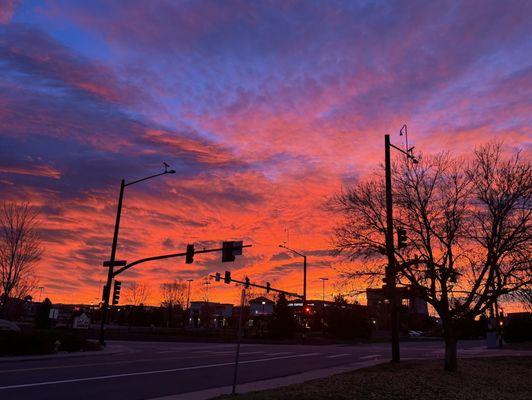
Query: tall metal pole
(107, 287)
(239, 339)
(304, 281)
(188, 295)
(390, 271)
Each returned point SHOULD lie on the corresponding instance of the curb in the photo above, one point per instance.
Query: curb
(109, 350)
(270, 383)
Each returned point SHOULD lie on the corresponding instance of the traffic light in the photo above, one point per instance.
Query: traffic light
(227, 252)
(217, 277)
(247, 282)
(268, 287)
(116, 292)
(401, 238)
(227, 277)
(190, 254)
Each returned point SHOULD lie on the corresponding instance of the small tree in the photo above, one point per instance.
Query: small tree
(137, 293)
(20, 250)
(173, 298)
(284, 323)
(469, 230)
(42, 317)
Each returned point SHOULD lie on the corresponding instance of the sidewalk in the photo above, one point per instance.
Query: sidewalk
(108, 350)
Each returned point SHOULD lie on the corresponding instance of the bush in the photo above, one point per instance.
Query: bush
(42, 342)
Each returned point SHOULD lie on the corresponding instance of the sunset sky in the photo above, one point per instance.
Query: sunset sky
(263, 108)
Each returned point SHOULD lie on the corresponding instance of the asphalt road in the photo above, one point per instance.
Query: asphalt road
(144, 370)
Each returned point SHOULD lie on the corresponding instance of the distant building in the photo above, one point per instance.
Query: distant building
(261, 306)
(376, 297)
(207, 314)
(414, 309)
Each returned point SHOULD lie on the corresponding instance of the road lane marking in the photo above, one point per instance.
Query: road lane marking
(138, 360)
(282, 353)
(339, 355)
(161, 371)
(250, 352)
(369, 356)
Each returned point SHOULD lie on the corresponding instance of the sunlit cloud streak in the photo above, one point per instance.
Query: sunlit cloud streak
(264, 109)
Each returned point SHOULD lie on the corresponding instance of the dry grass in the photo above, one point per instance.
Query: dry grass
(482, 378)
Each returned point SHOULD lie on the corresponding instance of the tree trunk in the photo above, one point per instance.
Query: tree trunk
(451, 342)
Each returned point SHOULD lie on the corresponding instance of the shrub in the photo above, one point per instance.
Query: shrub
(42, 342)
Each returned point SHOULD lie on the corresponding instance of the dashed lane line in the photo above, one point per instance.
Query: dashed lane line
(369, 356)
(338, 355)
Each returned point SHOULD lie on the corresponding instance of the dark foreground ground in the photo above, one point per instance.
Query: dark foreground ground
(147, 370)
(494, 378)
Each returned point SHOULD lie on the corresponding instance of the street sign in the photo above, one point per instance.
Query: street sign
(117, 263)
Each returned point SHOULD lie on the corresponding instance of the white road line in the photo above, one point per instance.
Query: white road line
(137, 360)
(339, 355)
(95, 378)
(280, 353)
(369, 356)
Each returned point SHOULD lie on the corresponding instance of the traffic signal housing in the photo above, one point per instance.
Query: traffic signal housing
(116, 292)
(189, 258)
(227, 252)
(401, 238)
(247, 282)
(227, 277)
(268, 287)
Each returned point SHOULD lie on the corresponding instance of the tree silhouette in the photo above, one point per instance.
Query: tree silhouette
(468, 225)
(137, 293)
(20, 250)
(283, 324)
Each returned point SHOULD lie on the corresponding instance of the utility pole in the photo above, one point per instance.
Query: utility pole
(390, 251)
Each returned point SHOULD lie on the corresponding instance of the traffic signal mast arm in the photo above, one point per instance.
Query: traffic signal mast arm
(162, 257)
(266, 287)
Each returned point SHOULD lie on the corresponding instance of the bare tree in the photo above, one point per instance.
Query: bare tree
(469, 230)
(137, 293)
(173, 294)
(20, 250)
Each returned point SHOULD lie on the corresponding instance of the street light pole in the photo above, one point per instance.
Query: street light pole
(107, 287)
(112, 259)
(323, 289)
(304, 272)
(390, 251)
(188, 295)
(391, 270)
